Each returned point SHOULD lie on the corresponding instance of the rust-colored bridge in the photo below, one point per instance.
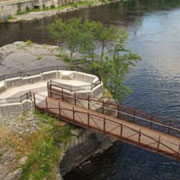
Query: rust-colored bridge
(124, 123)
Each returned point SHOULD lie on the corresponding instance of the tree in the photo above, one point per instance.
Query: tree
(102, 48)
(106, 36)
(75, 35)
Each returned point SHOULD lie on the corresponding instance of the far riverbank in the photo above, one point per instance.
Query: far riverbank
(48, 12)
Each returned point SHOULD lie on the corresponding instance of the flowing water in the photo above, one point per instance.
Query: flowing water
(154, 28)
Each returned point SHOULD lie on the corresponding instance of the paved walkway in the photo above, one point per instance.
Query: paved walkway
(40, 87)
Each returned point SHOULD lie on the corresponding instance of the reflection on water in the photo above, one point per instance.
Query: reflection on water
(154, 28)
(125, 162)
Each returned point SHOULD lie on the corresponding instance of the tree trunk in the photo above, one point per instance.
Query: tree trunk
(102, 51)
(71, 59)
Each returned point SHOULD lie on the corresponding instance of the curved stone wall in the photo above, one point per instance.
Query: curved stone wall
(20, 104)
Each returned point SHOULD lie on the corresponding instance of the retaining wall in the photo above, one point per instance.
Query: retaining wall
(45, 76)
(11, 7)
(16, 108)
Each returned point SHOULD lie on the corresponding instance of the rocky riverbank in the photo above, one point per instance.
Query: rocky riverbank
(23, 56)
(19, 135)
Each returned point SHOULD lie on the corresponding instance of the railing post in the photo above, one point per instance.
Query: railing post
(88, 118)
(134, 115)
(118, 108)
(62, 94)
(59, 109)
(121, 133)
(139, 138)
(75, 98)
(46, 104)
(34, 100)
(159, 139)
(169, 129)
(73, 114)
(104, 128)
(50, 88)
(88, 102)
(103, 107)
(179, 150)
(151, 123)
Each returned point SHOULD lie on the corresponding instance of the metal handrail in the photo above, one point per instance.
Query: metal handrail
(31, 72)
(132, 110)
(89, 100)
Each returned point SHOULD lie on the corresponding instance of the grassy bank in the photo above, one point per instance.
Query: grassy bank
(45, 154)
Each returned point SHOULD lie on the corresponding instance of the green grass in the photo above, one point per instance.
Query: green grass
(28, 42)
(46, 153)
(10, 17)
(39, 57)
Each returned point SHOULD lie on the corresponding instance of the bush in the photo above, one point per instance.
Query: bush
(52, 6)
(103, 1)
(75, 5)
(20, 12)
(28, 42)
(10, 17)
(27, 9)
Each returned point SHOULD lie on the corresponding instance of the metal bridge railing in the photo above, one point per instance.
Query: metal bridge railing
(31, 72)
(122, 112)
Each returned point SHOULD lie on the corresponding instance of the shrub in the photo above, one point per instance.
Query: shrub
(28, 42)
(27, 9)
(74, 5)
(52, 6)
(10, 17)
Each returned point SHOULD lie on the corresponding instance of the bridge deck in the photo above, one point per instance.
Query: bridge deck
(144, 137)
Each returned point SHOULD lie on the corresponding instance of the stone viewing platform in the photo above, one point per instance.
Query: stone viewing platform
(16, 92)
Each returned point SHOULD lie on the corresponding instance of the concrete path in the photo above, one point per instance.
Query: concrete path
(17, 91)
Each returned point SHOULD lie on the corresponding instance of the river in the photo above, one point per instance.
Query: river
(154, 29)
